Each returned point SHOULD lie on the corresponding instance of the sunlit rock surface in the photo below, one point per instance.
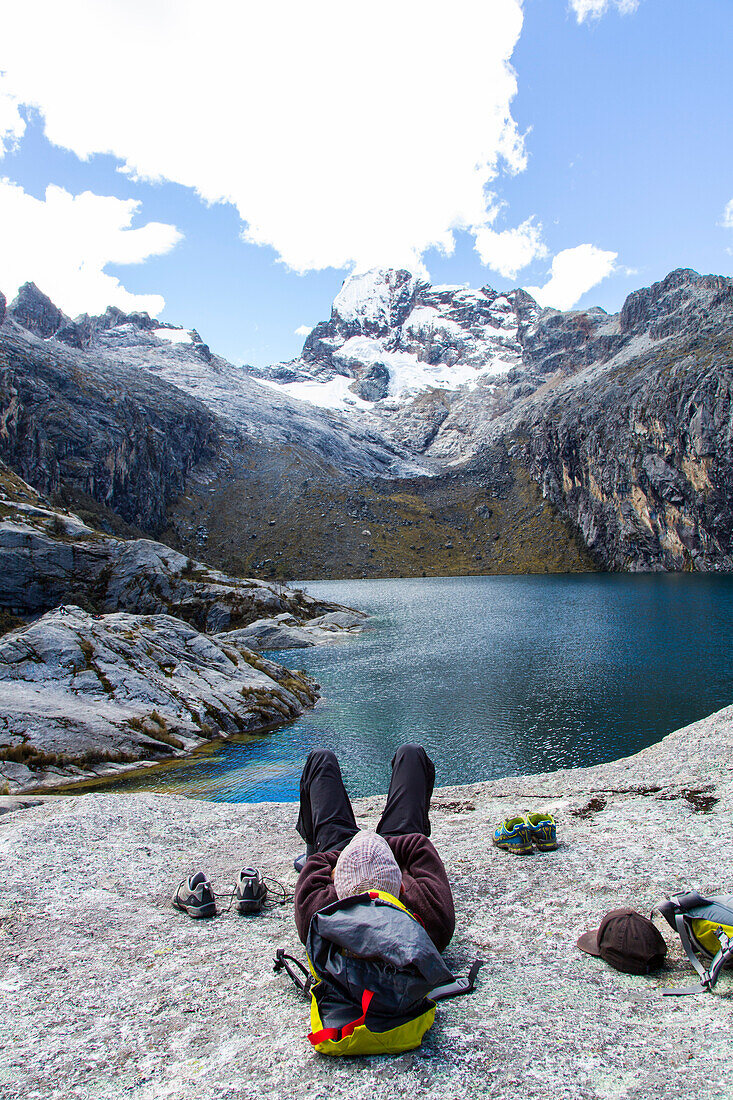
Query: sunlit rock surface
(286, 632)
(107, 991)
(80, 691)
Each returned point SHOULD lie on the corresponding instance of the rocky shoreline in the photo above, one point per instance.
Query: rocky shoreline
(109, 992)
(119, 651)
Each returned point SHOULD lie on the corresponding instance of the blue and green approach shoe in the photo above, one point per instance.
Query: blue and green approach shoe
(542, 831)
(513, 835)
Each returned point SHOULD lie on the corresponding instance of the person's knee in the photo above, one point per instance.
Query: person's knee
(319, 759)
(406, 752)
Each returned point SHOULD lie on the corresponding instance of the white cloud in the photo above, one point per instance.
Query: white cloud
(594, 9)
(574, 271)
(344, 131)
(63, 243)
(509, 250)
(12, 123)
(727, 221)
(304, 330)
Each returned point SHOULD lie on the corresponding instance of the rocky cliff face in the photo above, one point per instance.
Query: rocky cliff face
(623, 420)
(75, 422)
(641, 458)
(632, 439)
(417, 418)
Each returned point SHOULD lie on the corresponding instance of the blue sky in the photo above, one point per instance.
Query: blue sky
(351, 139)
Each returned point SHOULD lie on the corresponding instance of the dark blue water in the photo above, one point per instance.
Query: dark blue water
(494, 675)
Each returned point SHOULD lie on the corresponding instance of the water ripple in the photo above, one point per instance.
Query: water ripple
(494, 675)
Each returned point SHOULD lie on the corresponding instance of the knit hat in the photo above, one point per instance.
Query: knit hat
(367, 863)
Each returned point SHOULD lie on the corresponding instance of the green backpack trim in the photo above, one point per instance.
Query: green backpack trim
(705, 928)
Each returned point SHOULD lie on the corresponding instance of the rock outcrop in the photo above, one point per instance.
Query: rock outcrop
(286, 632)
(49, 558)
(35, 312)
(81, 693)
(32, 309)
(108, 991)
(129, 676)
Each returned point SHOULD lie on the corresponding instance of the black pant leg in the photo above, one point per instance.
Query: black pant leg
(326, 820)
(410, 791)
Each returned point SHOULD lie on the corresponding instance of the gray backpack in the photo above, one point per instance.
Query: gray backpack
(705, 926)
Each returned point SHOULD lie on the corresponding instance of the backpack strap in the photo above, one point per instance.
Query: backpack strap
(440, 993)
(680, 924)
(459, 986)
(708, 977)
(282, 962)
(333, 1034)
(723, 957)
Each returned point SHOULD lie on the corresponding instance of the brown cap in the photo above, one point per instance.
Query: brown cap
(626, 941)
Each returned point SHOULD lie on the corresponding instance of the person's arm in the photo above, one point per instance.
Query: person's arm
(426, 890)
(314, 889)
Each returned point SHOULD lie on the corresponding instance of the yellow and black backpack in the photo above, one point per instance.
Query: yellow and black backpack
(705, 927)
(375, 976)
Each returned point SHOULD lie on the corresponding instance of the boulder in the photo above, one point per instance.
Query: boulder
(338, 620)
(78, 691)
(286, 632)
(271, 634)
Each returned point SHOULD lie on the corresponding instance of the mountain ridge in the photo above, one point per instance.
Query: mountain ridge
(428, 395)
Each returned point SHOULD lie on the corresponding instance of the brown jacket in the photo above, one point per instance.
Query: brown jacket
(426, 891)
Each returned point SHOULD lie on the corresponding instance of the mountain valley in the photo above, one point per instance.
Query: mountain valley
(422, 431)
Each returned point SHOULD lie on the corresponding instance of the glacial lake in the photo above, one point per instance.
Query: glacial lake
(494, 675)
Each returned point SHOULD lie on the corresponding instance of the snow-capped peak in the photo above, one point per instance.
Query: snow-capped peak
(392, 336)
(375, 300)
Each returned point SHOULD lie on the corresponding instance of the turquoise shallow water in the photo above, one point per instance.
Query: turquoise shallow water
(494, 675)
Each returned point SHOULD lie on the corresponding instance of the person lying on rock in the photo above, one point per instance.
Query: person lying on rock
(398, 858)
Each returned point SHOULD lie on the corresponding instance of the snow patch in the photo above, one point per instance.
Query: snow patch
(334, 394)
(427, 318)
(173, 335)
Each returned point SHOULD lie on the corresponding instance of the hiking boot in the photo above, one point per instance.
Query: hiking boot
(513, 836)
(195, 896)
(300, 861)
(250, 891)
(542, 831)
